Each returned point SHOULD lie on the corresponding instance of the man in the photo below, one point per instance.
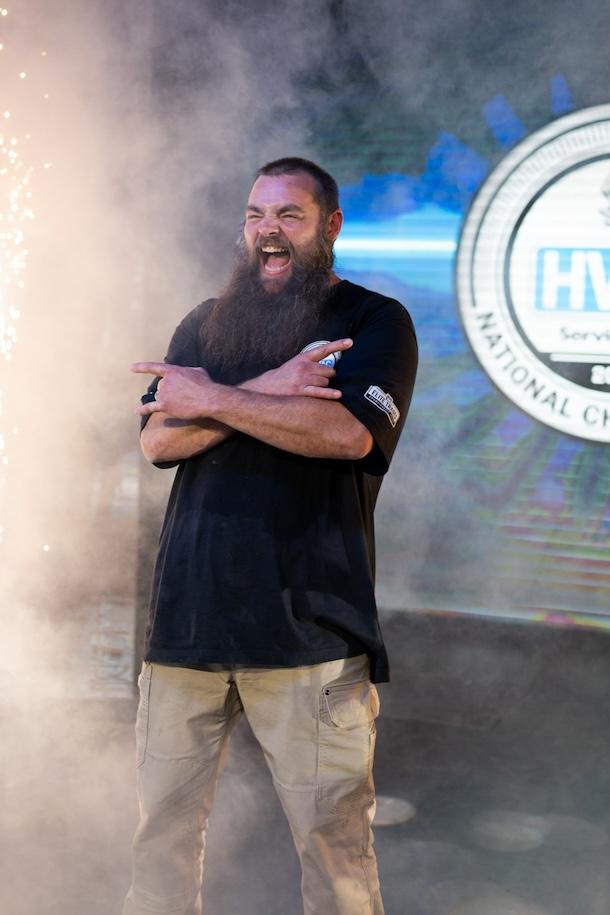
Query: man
(281, 401)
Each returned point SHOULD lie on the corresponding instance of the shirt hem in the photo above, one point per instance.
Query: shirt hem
(259, 658)
(272, 658)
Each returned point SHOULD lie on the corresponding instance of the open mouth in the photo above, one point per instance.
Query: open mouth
(275, 259)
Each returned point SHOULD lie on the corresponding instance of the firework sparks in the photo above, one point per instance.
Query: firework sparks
(16, 212)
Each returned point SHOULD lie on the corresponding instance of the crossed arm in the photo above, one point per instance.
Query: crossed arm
(290, 407)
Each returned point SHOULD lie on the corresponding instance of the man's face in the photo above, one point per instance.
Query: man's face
(281, 279)
(282, 225)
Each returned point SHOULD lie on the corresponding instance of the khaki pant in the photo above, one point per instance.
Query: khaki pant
(316, 726)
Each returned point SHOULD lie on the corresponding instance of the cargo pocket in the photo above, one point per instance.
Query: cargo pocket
(346, 740)
(144, 681)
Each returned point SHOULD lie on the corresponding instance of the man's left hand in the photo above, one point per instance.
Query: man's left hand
(183, 392)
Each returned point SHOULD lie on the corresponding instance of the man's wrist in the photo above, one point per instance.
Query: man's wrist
(213, 400)
(230, 403)
(257, 384)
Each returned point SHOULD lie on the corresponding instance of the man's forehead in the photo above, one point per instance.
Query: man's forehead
(280, 190)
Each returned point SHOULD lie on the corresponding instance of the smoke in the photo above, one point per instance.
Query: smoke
(146, 123)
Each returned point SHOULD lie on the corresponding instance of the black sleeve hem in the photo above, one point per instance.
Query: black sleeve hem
(376, 462)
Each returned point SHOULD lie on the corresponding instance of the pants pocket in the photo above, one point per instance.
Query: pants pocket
(144, 681)
(346, 741)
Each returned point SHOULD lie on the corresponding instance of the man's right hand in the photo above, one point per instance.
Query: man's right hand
(302, 375)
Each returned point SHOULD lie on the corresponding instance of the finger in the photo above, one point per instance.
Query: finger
(146, 409)
(319, 382)
(151, 368)
(327, 348)
(325, 371)
(311, 390)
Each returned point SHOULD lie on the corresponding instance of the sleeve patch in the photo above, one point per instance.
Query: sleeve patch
(383, 402)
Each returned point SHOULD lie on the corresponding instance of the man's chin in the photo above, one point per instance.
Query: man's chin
(275, 283)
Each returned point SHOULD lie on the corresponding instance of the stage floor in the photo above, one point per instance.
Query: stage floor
(496, 733)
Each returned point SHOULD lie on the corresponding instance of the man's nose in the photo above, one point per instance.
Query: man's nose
(269, 225)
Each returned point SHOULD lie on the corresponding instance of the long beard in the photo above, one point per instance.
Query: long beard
(249, 326)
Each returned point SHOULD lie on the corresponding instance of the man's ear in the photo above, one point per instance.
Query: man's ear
(333, 225)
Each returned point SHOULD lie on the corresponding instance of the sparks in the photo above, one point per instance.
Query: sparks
(16, 213)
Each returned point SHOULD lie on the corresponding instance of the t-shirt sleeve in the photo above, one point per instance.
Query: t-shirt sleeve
(376, 378)
(183, 350)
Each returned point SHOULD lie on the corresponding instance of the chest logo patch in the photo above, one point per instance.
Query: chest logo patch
(330, 360)
(384, 402)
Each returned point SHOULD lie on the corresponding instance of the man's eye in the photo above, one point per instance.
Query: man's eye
(252, 216)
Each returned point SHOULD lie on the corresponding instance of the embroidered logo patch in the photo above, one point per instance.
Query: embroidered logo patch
(330, 360)
(384, 402)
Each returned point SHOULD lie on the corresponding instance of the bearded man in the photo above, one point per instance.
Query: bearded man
(281, 402)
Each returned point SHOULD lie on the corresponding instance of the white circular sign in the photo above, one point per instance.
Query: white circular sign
(533, 274)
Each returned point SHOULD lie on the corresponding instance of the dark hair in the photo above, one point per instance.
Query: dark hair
(328, 192)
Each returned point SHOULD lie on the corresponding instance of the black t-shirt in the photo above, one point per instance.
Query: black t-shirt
(267, 558)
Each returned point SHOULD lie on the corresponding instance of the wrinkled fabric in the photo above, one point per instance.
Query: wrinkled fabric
(268, 557)
(316, 727)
